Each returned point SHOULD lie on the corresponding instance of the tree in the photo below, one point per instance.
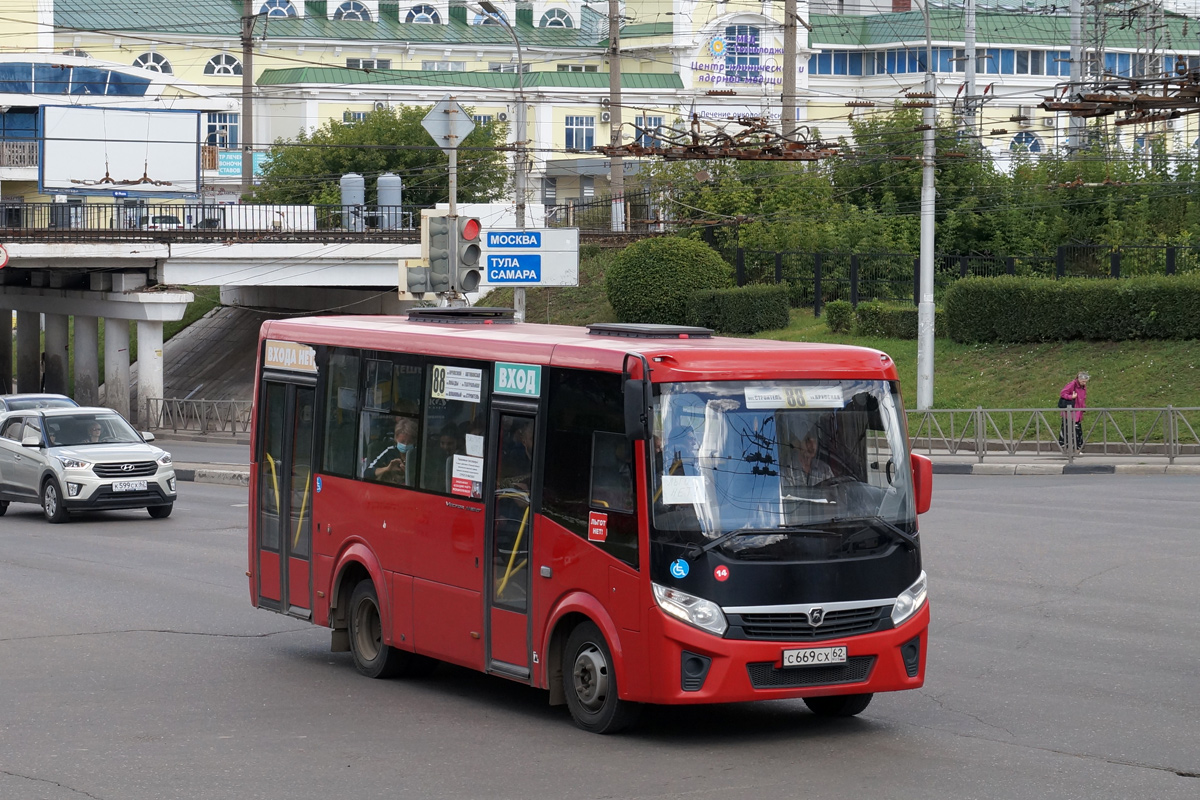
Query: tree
(308, 169)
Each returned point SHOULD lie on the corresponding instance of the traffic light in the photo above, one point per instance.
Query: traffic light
(439, 249)
(467, 250)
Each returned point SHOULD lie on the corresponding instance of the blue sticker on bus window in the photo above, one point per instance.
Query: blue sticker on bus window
(679, 568)
(318, 483)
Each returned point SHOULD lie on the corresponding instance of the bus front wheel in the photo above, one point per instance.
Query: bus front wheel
(841, 705)
(590, 683)
(372, 657)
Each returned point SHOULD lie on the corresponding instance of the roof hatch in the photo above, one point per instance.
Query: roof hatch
(463, 316)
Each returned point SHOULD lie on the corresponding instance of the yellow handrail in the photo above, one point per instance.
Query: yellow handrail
(303, 509)
(274, 482)
(513, 556)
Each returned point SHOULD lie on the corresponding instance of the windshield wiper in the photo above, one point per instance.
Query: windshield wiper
(896, 532)
(694, 550)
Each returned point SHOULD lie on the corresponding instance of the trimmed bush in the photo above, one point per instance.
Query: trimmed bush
(893, 322)
(839, 316)
(745, 310)
(1010, 309)
(651, 280)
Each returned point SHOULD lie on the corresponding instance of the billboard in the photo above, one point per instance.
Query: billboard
(102, 151)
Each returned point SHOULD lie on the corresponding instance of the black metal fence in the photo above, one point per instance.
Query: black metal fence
(644, 214)
(817, 278)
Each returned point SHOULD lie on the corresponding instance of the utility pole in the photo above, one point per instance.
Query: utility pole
(1075, 125)
(925, 315)
(788, 126)
(969, 121)
(247, 121)
(616, 175)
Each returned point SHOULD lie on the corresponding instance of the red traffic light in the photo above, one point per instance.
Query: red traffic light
(469, 229)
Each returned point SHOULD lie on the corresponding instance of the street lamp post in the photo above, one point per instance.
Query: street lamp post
(521, 166)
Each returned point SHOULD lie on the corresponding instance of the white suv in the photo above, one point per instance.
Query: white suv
(80, 459)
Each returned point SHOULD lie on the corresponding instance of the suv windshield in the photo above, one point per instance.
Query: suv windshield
(785, 470)
(85, 429)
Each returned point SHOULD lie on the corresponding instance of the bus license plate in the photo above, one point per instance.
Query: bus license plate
(814, 656)
(129, 486)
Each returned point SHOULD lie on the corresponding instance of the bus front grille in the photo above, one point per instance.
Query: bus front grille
(795, 627)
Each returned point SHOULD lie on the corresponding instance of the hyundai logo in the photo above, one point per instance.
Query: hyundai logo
(131, 468)
(816, 616)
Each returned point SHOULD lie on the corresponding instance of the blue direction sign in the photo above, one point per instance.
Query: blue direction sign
(548, 257)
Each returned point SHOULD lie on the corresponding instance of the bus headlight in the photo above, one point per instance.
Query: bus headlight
(910, 600)
(691, 609)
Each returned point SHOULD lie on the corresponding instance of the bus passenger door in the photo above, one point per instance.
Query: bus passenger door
(509, 530)
(285, 497)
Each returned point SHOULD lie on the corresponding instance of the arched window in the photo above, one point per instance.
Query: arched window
(741, 54)
(489, 19)
(153, 62)
(352, 11)
(424, 13)
(223, 64)
(557, 18)
(1025, 142)
(278, 8)
(76, 52)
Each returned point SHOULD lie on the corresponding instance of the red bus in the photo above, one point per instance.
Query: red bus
(618, 514)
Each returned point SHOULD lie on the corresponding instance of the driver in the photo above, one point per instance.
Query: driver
(806, 468)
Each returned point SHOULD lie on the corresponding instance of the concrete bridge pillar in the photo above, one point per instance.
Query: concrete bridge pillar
(29, 351)
(87, 360)
(6, 350)
(150, 367)
(57, 356)
(116, 365)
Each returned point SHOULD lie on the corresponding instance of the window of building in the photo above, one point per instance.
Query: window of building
(352, 11)
(351, 117)
(581, 133)
(368, 63)
(278, 8)
(508, 67)
(16, 124)
(221, 130)
(1025, 142)
(1120, 64)
(76, 52)
(589, 464)
(556, 18)
(444, 66)
(482, 119)
(489, 19)
(578, 68)
(425, 14)
(742, 62)
(153, 62)
(549, 190)
(587, 187)
(389, 427)
(648, 131)
(223, 64)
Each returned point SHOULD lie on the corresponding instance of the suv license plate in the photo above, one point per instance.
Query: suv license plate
(129, 486)
(814, 656)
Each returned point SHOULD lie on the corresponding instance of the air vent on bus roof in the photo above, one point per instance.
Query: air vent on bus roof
(463, 316)
(646, 331)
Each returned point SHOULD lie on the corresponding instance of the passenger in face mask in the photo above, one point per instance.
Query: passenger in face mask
(393, 464)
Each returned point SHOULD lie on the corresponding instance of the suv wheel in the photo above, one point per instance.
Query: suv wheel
(52, 505)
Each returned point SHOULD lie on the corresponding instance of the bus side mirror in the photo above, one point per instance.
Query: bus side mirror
(635, 409)
(922, 470)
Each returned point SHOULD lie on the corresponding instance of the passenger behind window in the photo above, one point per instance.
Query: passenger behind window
(397, 463)
(516, 459)
(439, 463)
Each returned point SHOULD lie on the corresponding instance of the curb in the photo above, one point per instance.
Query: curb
(1065, 469)
(221, 477)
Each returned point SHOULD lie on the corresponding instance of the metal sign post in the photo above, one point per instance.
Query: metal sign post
(449, 123)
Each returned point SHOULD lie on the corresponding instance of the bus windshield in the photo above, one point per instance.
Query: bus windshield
(782, 470)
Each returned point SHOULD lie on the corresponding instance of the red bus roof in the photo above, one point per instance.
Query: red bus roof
(672, 359)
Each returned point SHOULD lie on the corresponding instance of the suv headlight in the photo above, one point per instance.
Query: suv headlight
(910, 600)
(73, 463)
(165, 459)
(691, 609)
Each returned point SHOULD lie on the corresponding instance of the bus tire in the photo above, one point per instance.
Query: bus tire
(52, 503)
(590, 683)
(840, 705)
(372, 657)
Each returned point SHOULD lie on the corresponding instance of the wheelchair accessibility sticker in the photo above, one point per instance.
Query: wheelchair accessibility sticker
(679, 568)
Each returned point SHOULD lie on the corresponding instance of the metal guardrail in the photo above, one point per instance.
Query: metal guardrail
(1161, 432)
(198, 416)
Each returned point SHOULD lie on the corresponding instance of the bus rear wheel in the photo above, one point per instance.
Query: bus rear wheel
(841, 705)
(372, 657)
(590, 683)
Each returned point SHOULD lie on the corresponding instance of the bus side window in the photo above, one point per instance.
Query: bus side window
(454, 429)
(612, 477)
(389, 428)
(341, 409)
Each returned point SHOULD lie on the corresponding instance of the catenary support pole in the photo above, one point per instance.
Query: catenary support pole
(925, 315)
(246, 123)
(616, 173)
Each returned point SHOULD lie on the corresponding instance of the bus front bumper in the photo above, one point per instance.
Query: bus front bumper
(716, 670)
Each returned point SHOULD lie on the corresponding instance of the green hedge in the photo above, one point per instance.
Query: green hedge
(1010, 309)
(749, 309)
(839, 316)
(651, 280)
(892, 322)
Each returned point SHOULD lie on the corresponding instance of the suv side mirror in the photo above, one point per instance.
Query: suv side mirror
(31, 441)
(147, 436)
(922, 469)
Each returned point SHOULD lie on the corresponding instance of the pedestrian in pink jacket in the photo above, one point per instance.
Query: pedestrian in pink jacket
(1073, 395)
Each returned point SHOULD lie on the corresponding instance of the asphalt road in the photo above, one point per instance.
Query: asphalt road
(1063, 664)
